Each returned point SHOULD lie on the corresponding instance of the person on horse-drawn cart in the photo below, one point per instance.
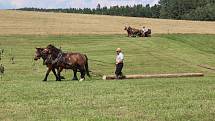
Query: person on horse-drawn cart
(146, 32)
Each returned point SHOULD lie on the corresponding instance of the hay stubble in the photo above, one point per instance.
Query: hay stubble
(41, 23)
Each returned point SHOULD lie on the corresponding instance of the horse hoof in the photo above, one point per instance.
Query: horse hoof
(44, 80)
(74, 79)
(81, 80)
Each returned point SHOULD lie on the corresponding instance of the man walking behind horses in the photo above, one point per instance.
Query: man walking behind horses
(119, 63)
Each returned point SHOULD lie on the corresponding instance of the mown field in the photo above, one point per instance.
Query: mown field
(25, 97)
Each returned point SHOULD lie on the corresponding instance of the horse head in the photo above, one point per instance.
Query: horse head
(41, 52)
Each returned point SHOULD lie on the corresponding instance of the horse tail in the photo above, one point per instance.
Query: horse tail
(86, 66)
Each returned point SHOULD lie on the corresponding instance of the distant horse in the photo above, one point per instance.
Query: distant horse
(42, 53)
(132, 32)
(74, 61)
(129, 31)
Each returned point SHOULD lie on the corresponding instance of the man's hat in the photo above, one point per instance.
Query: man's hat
(118, 50)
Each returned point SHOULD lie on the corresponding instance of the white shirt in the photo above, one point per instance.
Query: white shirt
(145, 29)
(119, 57)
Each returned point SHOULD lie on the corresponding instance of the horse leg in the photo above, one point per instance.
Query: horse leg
(58, 73)
(61, 77)
(75, 74)
(54, 72)
(82, 71)
(47, 73)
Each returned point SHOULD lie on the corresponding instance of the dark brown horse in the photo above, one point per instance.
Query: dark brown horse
(43, 53)
(129, 31)
(74, 61)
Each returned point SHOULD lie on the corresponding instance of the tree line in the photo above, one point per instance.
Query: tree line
(188, 9)
(134, 11)
(168, 9)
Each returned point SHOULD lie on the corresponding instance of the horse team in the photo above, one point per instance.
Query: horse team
(132, 32)
(55, 59)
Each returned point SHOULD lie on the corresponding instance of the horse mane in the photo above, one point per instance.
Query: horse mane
(54, 51)
(52, 48)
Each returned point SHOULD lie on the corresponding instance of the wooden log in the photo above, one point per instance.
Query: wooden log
(176, 75)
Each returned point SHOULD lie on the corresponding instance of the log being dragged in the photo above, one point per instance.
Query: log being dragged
(110, 77)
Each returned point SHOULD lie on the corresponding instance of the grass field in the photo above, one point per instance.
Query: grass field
(19, 22)
(25, 97)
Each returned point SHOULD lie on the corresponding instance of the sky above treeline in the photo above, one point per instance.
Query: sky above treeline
(14, 4)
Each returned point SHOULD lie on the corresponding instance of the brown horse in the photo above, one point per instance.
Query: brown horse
(128, 29)
(42, 53)
(74, 61)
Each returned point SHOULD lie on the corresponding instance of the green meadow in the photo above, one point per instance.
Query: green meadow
(25, 97)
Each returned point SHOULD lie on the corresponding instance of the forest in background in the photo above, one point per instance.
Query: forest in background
(202, 10)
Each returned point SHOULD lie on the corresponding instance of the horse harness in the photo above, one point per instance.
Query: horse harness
(59, 59)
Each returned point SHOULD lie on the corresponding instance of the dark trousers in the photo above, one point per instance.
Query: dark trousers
(118, 71)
